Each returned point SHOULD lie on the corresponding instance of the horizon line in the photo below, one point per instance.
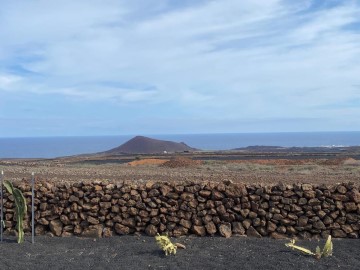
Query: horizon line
(174, 134)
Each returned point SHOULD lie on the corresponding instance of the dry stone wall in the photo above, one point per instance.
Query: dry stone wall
(104, 209)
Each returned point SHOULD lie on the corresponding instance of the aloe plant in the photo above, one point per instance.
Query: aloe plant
(21, 208)
(165, 244)
(327, 250)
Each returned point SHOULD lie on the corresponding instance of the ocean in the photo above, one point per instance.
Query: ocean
(50, 147)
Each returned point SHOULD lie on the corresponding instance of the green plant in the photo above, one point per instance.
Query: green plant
(21, 208)
(165, 244)
(327, 250)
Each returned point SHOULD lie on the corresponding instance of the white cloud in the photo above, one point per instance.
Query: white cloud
(326, 22)
(7, 81)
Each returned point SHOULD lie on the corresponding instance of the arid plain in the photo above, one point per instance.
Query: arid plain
(235, 166)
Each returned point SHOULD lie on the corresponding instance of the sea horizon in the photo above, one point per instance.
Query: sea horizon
(177, 134)
(58, 146)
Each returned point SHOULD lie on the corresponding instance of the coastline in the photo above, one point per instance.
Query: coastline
(51, 147)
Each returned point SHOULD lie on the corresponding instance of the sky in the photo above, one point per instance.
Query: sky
(113, 67)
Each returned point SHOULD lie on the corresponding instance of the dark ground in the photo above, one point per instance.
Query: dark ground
(132, 252)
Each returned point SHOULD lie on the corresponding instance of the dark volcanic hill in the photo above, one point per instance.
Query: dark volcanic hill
(281, 149)
(145, 145)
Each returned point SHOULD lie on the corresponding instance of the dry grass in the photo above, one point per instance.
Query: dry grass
(148, 161)
(351, 162)
(209, 170)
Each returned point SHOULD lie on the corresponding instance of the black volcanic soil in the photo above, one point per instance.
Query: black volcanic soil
(132, 252)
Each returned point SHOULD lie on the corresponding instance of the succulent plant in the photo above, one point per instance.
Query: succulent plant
(165, 244)
(327, 250)
(21, 208)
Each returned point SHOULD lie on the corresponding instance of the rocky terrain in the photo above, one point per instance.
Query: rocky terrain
(190, 167)
(144, 159)
(103, 208)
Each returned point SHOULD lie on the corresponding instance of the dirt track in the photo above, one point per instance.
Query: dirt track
(132, 252)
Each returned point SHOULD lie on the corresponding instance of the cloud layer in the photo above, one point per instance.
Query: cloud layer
(155, 67)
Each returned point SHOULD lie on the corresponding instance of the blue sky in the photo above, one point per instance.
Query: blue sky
(112, 67)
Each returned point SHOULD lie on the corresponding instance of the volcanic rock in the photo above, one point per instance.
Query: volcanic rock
(225, 230)
(251, 232)
(56, 227)
(199, 230)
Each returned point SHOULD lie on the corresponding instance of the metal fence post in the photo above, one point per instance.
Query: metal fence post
(2, 207)
(32, 209)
